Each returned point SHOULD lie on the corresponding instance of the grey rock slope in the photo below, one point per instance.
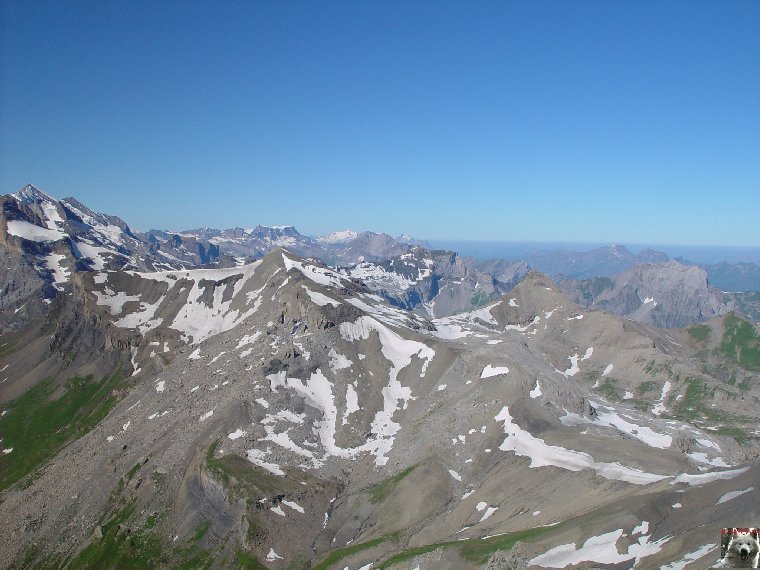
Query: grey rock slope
(56, 239)
(284, 412)
(436, 283)
(666, 295)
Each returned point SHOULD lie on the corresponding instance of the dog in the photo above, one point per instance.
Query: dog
(742, 549)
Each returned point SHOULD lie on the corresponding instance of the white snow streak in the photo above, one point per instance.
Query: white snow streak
(542, 455)
(489, 371)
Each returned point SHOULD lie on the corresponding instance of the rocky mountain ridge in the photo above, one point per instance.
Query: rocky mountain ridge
(281, 413)
(59, 238)
(668, 295)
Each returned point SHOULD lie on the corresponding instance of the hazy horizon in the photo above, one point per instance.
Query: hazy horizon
(708, 254)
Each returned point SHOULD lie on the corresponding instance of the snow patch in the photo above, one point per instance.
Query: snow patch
(690, 557)
(489, 371)
(272, 556)
(338, 361)
(702, 478)
(352, 402)
(524, 444)
(659, 407)
(236, 434)
(320, 299)
(31, 232)
(256, 457)
(733, 494)
(602, 549)
(293, 505)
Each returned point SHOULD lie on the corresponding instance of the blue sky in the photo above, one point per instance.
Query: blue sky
(581, 121)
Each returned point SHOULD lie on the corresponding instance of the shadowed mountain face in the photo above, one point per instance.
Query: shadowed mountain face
(435, 283)
(668, 295)
(283, 413)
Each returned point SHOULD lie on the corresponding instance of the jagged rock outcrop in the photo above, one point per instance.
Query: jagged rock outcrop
(667, 295)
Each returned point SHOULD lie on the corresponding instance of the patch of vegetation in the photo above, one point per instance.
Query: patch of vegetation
(472, 549)
(480, 551)
(122, 548)
(699, 332)
(693, 406)
(592, 375)
(190, 556)
(592, 288)
(640, 405)
(648, 386)
(340, 553)
(609, 390)
(737, 433)
(381, 490)
(479, 298)
(37, 426)
(741, 342)
(242, 476)
(244, 561)
(745, 384)
(6, 348)
(412, 552)
(133, 470)
(653, 369)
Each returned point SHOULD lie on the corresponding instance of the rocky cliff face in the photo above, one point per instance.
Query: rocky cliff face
(668, 295)
(435, 283)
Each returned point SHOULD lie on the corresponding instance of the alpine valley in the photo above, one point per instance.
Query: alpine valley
(257, 398)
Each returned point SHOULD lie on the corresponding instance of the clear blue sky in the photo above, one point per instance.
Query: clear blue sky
(580, 121)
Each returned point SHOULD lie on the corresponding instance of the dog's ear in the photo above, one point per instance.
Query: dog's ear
(753, 532)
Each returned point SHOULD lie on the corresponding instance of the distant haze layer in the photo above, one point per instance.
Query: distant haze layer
(514, 250)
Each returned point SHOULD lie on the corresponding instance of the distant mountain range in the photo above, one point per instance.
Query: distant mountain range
(669, 294)
(55, 239)
(609, 260)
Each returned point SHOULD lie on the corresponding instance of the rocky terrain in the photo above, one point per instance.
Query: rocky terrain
(668, 295)
(283, 414)
(339, 248)
(435, 283)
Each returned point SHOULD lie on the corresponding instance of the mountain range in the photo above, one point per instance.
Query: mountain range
(281, 413)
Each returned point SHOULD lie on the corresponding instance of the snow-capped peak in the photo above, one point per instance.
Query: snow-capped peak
(30, 194)
(338, 237)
